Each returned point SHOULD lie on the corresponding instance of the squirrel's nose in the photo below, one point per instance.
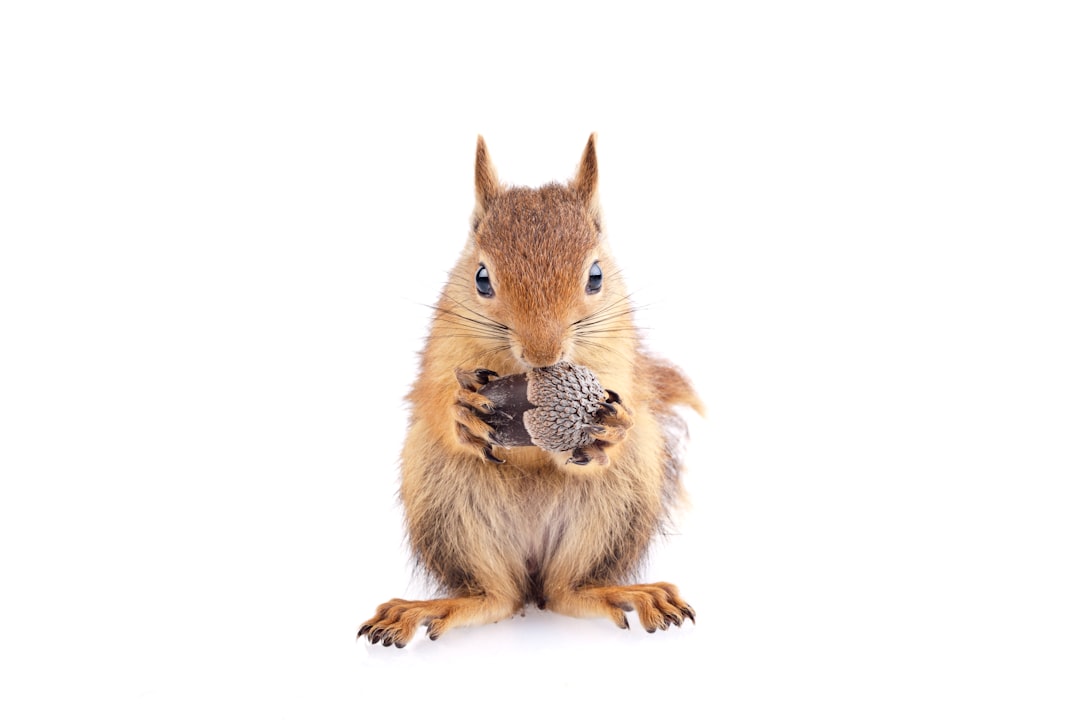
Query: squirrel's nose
(542, 352)
(533, 359)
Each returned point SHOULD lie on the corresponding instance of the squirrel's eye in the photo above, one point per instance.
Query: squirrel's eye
(483, 282)
(596, 279)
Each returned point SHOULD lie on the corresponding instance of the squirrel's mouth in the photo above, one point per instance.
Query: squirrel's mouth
(543, 361)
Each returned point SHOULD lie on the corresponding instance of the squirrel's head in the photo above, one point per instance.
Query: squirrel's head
(536, 280)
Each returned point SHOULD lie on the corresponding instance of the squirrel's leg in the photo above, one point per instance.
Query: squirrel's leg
(458, 538)
(395, 622)
(602, 544)
(658, 605)
(471, 406)
(612, 422)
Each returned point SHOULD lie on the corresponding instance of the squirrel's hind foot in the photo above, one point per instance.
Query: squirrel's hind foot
(658, 605)
(396, 621)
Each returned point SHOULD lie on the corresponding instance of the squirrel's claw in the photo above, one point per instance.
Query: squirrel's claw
(578, 457)
(586, 454)
(474, 379)
(606, 409)
(481, 444)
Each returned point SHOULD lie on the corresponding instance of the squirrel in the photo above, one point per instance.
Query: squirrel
(502, 529)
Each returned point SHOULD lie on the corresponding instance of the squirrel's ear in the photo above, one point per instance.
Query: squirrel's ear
(588, 175)
(487, 182)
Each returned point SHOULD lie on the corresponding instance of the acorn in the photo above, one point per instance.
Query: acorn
(555, 408)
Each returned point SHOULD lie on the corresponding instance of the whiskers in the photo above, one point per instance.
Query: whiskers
(454, 319)
(611, 322)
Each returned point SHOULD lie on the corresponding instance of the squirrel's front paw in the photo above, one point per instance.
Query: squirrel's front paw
(469, 410)
(611, 422)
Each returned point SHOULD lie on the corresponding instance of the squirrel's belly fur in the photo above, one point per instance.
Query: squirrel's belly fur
(501, 528)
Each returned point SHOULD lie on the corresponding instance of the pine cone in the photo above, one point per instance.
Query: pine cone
(551, 408)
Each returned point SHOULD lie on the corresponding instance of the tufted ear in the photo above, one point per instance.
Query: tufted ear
(588, 175)
(487, 181)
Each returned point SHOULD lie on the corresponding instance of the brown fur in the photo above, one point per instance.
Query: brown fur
(501, 528)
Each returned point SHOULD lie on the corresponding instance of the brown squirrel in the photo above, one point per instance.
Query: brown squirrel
(499, 529)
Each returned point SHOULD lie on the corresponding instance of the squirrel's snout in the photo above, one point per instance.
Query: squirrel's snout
(540, 352)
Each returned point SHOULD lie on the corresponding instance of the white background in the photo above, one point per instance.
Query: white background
(854, 225)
